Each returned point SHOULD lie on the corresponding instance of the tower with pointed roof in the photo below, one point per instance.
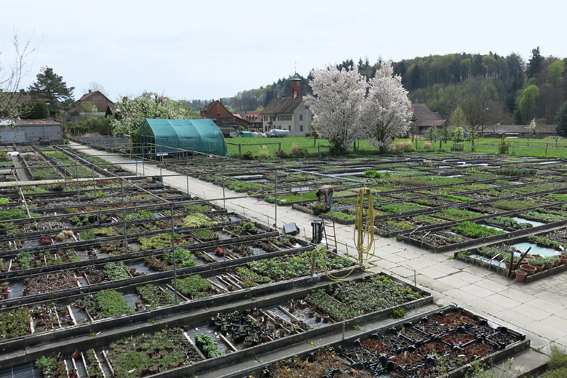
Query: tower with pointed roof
(295, 86)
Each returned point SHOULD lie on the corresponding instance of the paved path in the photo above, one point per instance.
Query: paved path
(538, 309)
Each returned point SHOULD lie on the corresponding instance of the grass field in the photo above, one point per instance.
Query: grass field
(522, 147)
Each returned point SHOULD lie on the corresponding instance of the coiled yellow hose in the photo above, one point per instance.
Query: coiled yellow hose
(363, 233)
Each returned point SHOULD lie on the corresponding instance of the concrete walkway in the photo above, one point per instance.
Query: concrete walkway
(538, 309)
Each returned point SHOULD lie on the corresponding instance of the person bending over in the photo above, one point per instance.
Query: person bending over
(327, 191)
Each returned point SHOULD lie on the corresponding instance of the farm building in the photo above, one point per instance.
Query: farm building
(163, 136)
(31, 130)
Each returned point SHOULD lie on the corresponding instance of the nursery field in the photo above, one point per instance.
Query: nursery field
(440, 203)
(110, 276)
(318, 147)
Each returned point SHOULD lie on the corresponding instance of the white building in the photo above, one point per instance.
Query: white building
(288, 113)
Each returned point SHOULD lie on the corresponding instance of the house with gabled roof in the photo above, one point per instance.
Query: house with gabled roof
(253, 119)
(219, 114)
(101, 103)
(424, 118)
(288, 113)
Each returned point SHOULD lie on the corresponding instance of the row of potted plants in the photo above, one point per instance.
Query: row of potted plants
(433, 346)
(154, 296)
(104, 304)
(150, 353)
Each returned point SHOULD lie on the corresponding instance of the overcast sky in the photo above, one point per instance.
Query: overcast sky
(212, 49)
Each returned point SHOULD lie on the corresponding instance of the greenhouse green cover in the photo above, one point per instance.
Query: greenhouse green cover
(247, 134)
(170, 135)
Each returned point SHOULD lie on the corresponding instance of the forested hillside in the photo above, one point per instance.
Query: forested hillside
(526, 90)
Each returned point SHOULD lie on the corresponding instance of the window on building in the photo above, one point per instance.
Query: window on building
(306, 107)
(289, 128)
(300, 127)
(301, 117)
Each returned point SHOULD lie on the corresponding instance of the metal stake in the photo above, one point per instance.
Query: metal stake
(173, 249)
(222, 177)
(276, 202)
(125, 236)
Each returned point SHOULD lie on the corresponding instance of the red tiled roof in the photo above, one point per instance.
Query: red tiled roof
(283, 105)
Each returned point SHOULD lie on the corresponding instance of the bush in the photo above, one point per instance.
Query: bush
(557, 358)
(404, 146)
(282, 154)
(427, 146)
(35, 109)
(296, 151)
(248, 155)
(264, 154)
(503, 148)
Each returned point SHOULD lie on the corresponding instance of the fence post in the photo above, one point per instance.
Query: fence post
(280, 147)
(239, 149)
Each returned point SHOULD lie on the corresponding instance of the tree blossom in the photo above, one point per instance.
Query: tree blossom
(130, 113)
(336, 103)
(532, 126)
(386, 111)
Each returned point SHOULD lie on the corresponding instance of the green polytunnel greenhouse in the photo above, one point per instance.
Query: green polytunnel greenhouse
(167, 136)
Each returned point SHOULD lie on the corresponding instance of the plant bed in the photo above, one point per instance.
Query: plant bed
(14, 323)
(194, 287)
(497, 257)
(105, 304)
(351, 299)
(401, 207)
(148, 354)
(456, 214)
(390, 351)
(154, 296)
(94, 369)
(50, 282)
(507, 223)
(437, 240)
(473, 230)
(52, 367)
(543, 215)
(49, 316)
(393, 227)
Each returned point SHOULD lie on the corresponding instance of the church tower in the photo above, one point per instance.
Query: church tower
(295, 86)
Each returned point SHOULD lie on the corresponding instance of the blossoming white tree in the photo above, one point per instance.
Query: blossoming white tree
(131, 112)
(532, 126)
(336, 103)
(386, 110)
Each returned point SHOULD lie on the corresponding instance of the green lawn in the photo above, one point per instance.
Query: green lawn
(321, 146)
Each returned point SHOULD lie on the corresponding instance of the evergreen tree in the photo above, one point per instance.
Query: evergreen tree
(535, 63)
(35, 109)
(415, 78)
(561, 119)
(51, 87)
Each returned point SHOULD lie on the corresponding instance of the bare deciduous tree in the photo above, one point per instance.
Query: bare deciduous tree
(11, 76)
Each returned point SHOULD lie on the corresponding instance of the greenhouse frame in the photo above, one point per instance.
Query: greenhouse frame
(169, 136)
